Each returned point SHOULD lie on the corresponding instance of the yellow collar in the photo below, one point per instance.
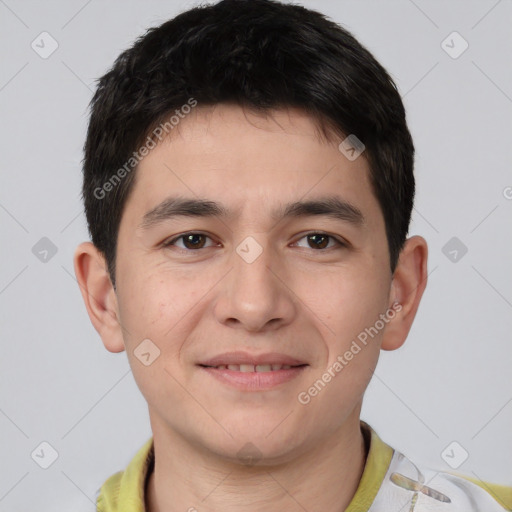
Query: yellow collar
(124, 491)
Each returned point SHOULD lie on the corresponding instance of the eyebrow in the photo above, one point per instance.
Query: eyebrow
(330, 206)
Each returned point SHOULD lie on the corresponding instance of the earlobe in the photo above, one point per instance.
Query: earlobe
(99, 295)
(407, 287)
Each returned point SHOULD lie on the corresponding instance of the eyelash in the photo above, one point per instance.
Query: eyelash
(171, 242)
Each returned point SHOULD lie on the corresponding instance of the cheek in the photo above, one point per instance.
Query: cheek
(148, 304)
(350, 303)
(350, 307)
(154, 310)
(163, 304)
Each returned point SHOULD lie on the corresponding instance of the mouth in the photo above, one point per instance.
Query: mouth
(253, 373)
(250, 368)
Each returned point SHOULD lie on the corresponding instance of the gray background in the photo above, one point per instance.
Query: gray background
(451, 381)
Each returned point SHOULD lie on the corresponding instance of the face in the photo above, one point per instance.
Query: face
(250, 280)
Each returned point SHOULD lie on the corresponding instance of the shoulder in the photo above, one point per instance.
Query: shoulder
(107, 497)
(501, 493)
(124, 490)
(428, 490)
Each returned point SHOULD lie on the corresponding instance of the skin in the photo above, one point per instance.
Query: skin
(295, 298)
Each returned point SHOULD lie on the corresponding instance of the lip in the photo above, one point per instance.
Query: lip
(240, 357)
(253, 381)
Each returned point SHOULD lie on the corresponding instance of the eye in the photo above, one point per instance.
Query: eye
(194, 240)
(191, 241)
(317, 241)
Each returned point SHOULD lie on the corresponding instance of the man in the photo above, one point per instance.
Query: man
(248, 185)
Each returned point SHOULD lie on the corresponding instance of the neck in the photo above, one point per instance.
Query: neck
(184, 479)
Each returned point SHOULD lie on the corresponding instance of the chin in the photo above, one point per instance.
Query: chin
(258, 442)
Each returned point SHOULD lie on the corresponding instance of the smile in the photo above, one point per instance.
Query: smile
(249, 377)
(247, 368)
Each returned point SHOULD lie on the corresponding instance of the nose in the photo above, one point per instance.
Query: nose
(255, 295)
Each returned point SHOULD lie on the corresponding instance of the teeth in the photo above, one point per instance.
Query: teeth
(264, 368)
(246, 368)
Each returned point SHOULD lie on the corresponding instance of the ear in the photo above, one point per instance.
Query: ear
(99, 295)
(407, 287)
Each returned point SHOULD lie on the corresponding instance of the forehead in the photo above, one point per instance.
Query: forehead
(245, 160)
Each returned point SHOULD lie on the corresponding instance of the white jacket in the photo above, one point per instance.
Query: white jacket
(407, 488)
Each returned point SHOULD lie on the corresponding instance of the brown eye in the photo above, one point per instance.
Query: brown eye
(319, 241)
(190, 241)
(193, 241)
